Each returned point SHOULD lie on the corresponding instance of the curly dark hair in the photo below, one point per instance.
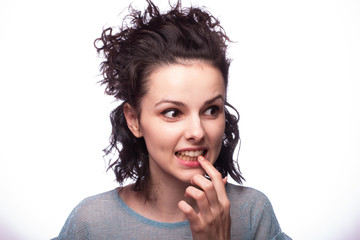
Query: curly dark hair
(144, 42)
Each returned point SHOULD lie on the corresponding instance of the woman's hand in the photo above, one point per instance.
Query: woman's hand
(213, 219)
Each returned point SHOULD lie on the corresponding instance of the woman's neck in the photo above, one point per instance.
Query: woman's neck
(162, 201)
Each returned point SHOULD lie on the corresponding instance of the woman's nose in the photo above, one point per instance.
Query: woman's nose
(194, 129)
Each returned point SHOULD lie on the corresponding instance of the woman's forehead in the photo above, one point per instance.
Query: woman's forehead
(185, 82)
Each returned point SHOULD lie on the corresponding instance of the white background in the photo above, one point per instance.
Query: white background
(295, 79)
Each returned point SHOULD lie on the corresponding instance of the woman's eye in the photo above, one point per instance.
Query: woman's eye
(171, 113)
(212, 111)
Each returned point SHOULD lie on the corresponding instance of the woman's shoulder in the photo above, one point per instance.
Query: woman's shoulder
(100, 198)
(252, 213)
(249, 199)
(95, 206)
(90, 212)
(239, 193)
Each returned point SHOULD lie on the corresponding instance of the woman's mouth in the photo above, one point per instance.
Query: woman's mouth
(190, 155)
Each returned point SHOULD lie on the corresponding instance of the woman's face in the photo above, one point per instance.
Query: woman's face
(182, 116)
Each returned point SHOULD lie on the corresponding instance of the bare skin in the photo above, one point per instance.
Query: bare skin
(205, 206)
(181, 128)
(212, 221)
(162, 209)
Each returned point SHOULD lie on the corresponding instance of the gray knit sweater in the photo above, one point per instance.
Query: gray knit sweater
(106, 216)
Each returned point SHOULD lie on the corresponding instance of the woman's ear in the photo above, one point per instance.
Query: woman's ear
(132, 120)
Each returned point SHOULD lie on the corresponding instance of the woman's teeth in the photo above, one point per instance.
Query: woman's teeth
(189, 155)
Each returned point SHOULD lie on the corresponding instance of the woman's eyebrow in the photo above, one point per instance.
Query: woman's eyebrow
(180, 104)
(214, 99)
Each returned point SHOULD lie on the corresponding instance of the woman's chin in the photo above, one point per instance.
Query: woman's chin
(188, 175)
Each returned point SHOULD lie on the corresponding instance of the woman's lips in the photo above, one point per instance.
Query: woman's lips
(190, 155)
(188, 158)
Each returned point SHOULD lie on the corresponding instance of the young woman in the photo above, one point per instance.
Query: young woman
(174, 137)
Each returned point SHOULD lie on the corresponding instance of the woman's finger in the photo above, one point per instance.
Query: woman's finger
(190, 214)
(216, 178)
(208, 187)
(201, 201)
